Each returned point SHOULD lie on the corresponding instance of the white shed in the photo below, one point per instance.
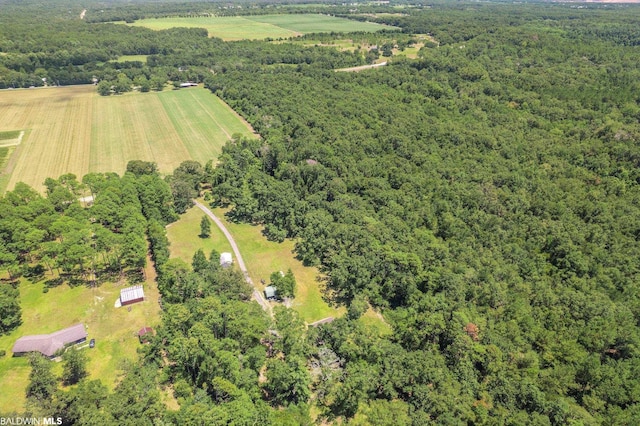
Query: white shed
(131, 295)
(226, 260)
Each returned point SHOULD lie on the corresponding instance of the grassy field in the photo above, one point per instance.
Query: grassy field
(317, 23)
(131, 58)
(9, 134)
(73, 130)
(262, 257)
(262, 26)
(114, 330)
(227, 28)
(184, 239)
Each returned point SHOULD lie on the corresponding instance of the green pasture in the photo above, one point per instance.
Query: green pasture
(4, 156)
(167, 128)
(113, 328)
(262, 26)
(131, 58)
(202, 120)
(227, 28)
(317, 23)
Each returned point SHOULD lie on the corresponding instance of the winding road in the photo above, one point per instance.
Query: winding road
(257, 294)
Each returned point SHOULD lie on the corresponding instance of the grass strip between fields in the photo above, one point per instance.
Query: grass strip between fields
(10, 134)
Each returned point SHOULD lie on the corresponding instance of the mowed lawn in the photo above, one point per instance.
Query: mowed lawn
(74, 130)
(261, 256)
(185, 241)
(263, 26)
(115, 331)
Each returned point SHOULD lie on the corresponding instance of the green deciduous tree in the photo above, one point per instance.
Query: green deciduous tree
(288, 381)
(42, 382)
(285, 283)
(10, 311)
(74, 366)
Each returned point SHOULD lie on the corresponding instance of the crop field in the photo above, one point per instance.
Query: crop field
(74, 130)
(114, 330)
(263, 26)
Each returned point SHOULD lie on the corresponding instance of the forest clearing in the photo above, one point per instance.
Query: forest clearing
(73, 130)
(114, 330)
(262, 257)
(262, 27)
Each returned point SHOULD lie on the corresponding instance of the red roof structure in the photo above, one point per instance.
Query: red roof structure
(145, 330)
(49, 344)
(144, 333)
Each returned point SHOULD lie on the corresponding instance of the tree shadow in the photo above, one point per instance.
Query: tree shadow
(53, 282)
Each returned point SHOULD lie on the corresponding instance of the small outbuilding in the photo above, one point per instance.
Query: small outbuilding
(131, 295)
(226, 260)
(49, 344)
(271, 292)
(144, 334)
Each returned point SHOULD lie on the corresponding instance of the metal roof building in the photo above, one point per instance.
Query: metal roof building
(270, 292)
(49, 344)
(131, 295)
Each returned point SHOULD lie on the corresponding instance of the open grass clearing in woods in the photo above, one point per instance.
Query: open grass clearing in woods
(74, 130)
(262, 257)
(185, 240)
(115, 330)
(132, 58)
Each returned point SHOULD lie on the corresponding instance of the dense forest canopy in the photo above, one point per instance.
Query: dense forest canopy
(484, 196)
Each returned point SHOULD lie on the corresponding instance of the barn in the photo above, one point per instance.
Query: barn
(131, 295)
(49, 344)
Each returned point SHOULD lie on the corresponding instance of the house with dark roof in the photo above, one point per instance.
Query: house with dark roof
(49, 344)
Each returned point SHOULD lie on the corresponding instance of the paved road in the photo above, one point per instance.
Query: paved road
(257, 294)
